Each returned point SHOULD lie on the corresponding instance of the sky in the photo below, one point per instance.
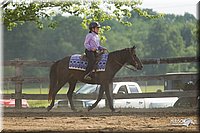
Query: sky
(178, 7)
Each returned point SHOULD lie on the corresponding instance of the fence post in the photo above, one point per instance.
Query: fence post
(18, 84)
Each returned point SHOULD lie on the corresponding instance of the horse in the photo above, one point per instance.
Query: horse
(60, 74)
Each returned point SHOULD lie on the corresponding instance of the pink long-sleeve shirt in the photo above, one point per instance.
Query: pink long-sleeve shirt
(92, 41)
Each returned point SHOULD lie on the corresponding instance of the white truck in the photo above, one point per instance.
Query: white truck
(120, 88)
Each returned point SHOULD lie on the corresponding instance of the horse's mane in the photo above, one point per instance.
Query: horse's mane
(119, 51)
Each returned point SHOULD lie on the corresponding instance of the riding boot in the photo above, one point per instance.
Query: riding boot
(91, 62)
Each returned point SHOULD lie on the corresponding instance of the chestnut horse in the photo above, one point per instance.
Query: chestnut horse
(60, 74)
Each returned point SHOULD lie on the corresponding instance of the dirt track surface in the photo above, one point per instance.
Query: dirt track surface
(98, 120)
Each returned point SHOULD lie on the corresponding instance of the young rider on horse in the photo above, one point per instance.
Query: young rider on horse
(92, 45)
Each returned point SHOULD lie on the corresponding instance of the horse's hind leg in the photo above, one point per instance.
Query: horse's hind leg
(57, 88)
(101, 90)
(72, 85)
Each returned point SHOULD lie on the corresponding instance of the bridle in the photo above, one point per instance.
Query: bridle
(130, 68)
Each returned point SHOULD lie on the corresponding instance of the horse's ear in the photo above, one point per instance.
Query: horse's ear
(134, 47)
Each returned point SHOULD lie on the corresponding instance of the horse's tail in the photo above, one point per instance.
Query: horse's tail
(53, 79)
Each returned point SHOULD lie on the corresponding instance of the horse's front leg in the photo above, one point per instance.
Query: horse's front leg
(72, 85)
(109, 98)
(101, 90)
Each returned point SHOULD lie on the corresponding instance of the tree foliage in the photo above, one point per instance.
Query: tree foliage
(15, 13)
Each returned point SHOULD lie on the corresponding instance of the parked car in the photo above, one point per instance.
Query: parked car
(11, 103)
(119, 88)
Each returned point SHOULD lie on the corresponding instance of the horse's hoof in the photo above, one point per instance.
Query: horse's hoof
(115, 111)
(49, 108)
(80, 111)
(74, 110)
(89, 108)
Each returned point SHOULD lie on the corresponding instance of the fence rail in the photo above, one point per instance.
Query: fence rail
(116, 96)
(18, 79)
(116, 79)
(145, 61)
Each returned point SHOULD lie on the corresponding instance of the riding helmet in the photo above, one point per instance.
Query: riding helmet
(93, 25)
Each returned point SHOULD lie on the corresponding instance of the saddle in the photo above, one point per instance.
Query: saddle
(79, 62)
(83, 57)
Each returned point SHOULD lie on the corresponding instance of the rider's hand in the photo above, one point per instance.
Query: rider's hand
(94, 49)
(105, 50)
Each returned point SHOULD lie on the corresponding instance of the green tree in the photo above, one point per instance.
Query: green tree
(28, 42)
(18, 13)
(164, 40)
(19, 43)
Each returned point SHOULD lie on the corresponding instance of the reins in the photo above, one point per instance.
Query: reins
(133, 69)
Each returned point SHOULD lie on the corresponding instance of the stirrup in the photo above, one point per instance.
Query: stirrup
(87, 77)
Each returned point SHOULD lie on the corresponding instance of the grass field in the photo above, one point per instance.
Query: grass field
(45, 103)
(146, 89)
(64, 90)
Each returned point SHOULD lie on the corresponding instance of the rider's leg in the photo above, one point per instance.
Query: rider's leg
(91, 62)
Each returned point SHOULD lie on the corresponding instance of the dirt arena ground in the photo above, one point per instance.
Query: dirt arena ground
(98, 120)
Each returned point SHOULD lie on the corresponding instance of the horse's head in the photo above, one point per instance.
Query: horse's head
(133, 58)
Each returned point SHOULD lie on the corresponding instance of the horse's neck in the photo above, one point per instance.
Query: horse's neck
(118, 60)
(120, 57)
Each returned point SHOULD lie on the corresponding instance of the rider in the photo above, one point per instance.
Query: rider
(92, 45)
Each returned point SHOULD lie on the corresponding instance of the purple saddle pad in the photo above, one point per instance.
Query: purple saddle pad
(77, 63)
